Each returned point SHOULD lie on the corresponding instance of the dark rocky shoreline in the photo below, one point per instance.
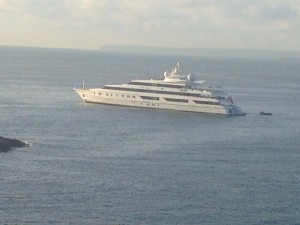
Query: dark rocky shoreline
(7, 144)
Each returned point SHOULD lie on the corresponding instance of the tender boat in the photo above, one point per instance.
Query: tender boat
(265, 113)
(176, 91)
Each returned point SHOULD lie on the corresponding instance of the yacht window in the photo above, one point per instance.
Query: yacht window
(206, 102)
(149, 98)
(176, 100)
(195, 95)
(156, 85)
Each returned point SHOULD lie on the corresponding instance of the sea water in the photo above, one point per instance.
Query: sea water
(99, 164)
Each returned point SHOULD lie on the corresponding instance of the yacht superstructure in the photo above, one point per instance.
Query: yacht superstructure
(176, 91)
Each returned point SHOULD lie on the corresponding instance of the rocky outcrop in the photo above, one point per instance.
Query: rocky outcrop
(6, 144)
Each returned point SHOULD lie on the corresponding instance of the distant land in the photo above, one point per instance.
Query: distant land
(203, 52)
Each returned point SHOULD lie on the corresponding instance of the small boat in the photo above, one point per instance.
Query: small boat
(265, 113)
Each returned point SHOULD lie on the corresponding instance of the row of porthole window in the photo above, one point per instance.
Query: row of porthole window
(149, 104)
(117, 95)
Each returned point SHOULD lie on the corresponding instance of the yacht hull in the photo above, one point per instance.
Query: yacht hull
(134, 100)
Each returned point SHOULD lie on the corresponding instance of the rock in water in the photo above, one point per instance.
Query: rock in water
(6, 144)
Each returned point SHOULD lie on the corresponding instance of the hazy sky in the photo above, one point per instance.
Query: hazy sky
(88, 24)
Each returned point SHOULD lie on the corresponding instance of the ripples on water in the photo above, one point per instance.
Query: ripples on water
(96, 164)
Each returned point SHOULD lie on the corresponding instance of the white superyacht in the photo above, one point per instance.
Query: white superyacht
(176, 91)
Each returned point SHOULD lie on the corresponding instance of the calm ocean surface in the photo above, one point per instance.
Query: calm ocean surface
(98, 164)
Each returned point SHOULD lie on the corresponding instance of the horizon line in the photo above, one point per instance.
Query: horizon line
(151, 47)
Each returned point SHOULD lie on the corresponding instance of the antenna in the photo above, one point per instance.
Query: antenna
(83, 84)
